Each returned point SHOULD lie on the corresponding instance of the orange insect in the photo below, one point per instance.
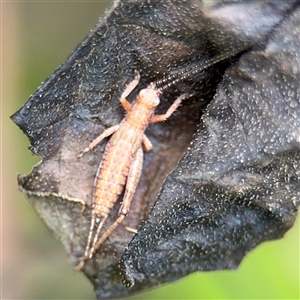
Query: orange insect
(122, 161)
(121, 165)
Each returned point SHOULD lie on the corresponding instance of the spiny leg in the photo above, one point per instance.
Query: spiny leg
(131, 86)
(132, 181)
(107, 132)
(133, 178)
(172, 108)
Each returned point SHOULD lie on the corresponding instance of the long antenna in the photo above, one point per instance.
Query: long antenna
(194, 69)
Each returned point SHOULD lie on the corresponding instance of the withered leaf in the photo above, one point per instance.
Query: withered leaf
(237, 180)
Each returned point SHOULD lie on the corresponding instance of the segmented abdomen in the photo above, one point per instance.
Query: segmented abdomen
(111, 176)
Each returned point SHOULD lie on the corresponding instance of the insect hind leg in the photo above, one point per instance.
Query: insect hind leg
(132, 181)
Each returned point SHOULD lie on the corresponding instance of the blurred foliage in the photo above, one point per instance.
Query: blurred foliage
(45, 34)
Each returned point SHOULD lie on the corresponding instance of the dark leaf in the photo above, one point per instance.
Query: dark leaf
(237, 183)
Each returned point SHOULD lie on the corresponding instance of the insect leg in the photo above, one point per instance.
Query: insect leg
(107, 132)
(172, 108)
(131, 86)
(147, 143)
(132, 181)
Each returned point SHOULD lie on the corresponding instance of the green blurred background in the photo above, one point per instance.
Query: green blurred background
(36, 38)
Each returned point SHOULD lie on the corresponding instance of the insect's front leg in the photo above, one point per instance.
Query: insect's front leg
(131, 86)
(172, 108)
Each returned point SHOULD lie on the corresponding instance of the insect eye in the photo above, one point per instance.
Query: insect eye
(156, 101)
(143, 92)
